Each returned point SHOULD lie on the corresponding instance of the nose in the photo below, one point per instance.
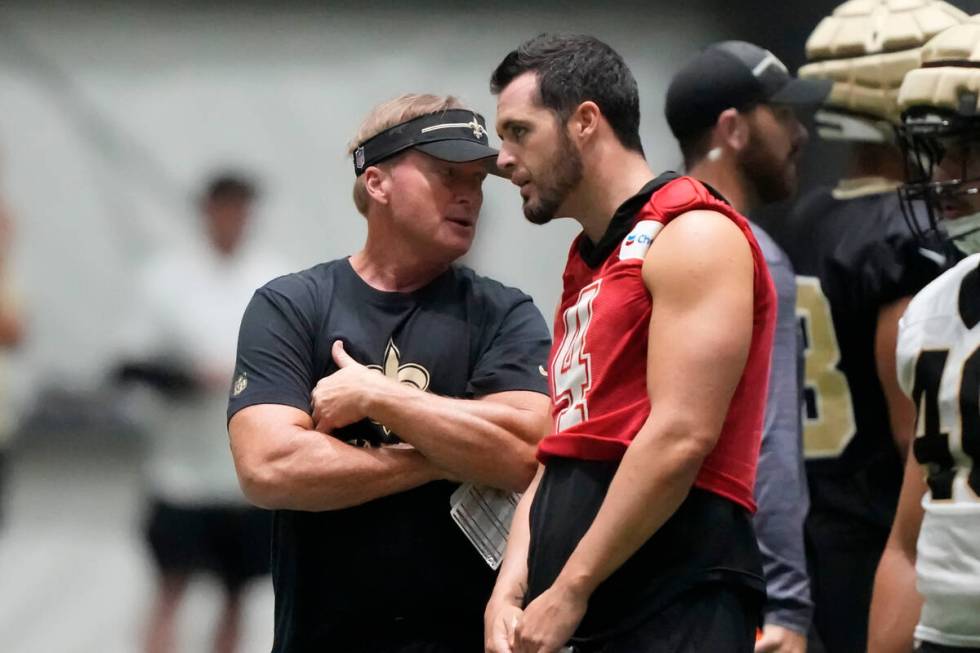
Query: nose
(506, 161)
(802, 134)
(469, 192)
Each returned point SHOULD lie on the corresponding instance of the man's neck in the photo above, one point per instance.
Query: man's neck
(390, 264)
(725, 178)
(615, 176)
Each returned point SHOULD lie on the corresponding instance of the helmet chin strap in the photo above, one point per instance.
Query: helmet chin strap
(964, 233)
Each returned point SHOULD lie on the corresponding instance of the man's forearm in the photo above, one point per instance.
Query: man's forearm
(653, 479)
(312, 471)
(481, 441)
(895, 605)
(511, 582)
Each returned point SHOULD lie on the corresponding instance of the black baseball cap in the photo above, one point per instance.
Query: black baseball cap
(734, 74)
(457, 135)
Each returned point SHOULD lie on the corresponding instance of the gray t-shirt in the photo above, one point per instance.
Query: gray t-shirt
(781, 490)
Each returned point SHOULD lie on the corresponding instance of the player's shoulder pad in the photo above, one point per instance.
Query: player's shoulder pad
(681, 195)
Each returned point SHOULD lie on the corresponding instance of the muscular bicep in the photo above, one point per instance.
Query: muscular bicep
(258, 432)
(700, 274)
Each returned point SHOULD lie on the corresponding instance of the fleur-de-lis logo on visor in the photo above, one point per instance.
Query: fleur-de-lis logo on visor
(478, 130)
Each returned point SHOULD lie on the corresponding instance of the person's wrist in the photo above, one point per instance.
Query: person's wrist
(576, 582)
(504, 597)
(379, 396)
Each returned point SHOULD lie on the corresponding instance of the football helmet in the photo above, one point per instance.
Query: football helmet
(940, 135)
(865, 47)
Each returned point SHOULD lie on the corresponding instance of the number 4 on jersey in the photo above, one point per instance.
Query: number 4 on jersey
(571, 369)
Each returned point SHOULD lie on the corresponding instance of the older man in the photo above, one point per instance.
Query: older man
(368, 387)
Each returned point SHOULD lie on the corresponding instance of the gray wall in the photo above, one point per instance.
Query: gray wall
(112, 114)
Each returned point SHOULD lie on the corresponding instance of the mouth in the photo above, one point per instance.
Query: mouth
(953, 210)
(467, 223)
(526, 188)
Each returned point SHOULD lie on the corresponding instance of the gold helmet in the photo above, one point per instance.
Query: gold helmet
(941, 112)
(865, 48)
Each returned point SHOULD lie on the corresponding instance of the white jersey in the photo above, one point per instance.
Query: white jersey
(939, 368)
(187, 311)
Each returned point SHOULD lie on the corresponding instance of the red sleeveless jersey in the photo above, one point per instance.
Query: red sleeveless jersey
(597, 367)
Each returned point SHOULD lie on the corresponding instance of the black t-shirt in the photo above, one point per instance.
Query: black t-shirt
(399, 558)
(863, 255)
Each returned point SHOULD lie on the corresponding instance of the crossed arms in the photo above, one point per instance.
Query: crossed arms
(286, 458)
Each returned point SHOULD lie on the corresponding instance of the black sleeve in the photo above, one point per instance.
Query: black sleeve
(275, 353)
(898, 266)
(517, 355)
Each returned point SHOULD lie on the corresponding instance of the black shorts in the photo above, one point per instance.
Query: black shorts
(710, 617)
(707, 548)
(232, 543)
(379, 635)
(842, 554)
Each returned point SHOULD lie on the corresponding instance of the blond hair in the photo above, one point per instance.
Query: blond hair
(388, 114)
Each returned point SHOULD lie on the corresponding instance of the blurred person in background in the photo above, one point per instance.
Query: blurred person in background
(11, 333)
(369, 387)
(735, 112)
(858, 265)
(636, 534)
(927, 587)
(180, 342)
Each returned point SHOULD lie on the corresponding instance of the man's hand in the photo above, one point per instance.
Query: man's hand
(340, 399)
(500, 627)
(549, 621)
(778, 639)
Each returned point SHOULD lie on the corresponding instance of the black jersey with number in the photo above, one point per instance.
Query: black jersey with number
(398, 561)
(852, 258)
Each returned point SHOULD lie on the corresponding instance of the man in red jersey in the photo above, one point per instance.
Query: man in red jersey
(635, 534)
(733, 109)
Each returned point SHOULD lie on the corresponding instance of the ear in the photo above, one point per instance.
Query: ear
(732, 129)
(377, 183)
(584, 121)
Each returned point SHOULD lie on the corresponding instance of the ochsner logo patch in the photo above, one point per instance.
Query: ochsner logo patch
(638, 241)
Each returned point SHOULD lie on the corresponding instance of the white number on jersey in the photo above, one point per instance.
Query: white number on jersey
(571, 370)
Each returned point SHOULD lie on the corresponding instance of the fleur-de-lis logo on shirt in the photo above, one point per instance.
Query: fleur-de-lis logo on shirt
(408, 373)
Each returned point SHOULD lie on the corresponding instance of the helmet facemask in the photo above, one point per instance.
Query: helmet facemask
(927, 138)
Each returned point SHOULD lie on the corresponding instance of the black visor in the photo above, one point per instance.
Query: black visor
(456, 135)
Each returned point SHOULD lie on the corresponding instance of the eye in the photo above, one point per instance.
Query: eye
(518, 132)
(785, 114)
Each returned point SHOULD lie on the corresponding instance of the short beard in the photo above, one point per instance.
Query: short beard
(566, 174)
(767, 175)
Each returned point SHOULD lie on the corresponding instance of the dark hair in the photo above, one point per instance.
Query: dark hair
(694, 147)
(576, 68)
(229, 186)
